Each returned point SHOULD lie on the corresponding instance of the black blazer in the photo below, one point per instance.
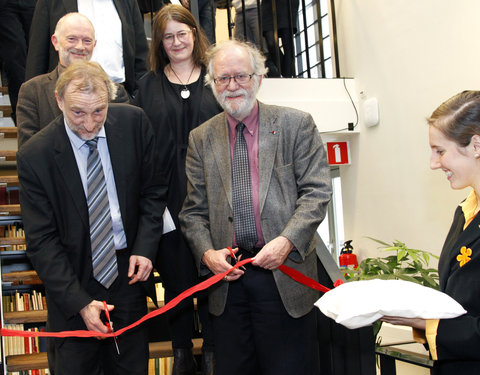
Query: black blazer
(55, 213)
(42, 57)
(458, 340)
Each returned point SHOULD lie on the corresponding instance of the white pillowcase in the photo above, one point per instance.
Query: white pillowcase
(358, 304)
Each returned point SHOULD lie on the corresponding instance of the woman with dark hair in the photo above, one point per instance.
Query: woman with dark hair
(176, 100)
(455, 142)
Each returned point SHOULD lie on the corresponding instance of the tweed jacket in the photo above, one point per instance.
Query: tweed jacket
(294, 190)
(37, 105)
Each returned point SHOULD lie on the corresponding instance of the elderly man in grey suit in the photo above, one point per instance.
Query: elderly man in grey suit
(74, 39)
(259, 182)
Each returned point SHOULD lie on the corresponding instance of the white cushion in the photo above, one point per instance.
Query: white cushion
(358, 304)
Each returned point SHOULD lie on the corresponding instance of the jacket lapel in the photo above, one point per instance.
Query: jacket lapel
(126, 37)
(67, 166)
(52, 102)
(220, 145)
(456, 239)
(115, 141)
(267, 145)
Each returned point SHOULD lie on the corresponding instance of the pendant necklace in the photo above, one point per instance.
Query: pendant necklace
(185, 93)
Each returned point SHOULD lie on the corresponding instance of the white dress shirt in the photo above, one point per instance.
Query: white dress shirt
(108, 32)
(81, 151)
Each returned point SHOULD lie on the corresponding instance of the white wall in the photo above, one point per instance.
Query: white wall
(326, 100)
(411, 56)
(221, 24)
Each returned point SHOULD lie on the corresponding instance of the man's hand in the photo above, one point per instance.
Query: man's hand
(216, 261)
(91, 316)
(142, 265)
(274, 253)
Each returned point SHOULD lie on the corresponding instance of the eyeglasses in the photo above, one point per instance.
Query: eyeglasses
(241, 79)
(182, 36)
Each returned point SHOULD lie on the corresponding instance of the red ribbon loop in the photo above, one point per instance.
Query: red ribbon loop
(294, 274)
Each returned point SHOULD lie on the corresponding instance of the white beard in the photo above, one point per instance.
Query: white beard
(238, 110)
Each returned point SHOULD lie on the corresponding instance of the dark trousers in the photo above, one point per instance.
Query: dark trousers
(286, 56)
(206, 13)
(181, 321)
(256, 335)
(15, 20)
(177, 269)
(95, 357)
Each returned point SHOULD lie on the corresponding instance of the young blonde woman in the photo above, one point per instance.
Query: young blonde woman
(455, 142)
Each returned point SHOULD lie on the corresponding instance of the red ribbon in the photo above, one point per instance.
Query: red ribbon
(294, 274)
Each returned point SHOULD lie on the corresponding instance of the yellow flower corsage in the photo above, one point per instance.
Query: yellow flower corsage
(464, 256)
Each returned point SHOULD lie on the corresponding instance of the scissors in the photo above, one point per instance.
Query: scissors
(232, 254)
(109, 325)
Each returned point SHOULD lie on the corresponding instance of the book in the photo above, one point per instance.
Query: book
(3, 195)
(151, 366)
(160, 292)
(42, 341)
(13, 195)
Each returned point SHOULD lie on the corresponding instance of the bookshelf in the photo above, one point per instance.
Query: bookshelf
(19, 309)
(8, 132)
(23, 362)
(160, 352)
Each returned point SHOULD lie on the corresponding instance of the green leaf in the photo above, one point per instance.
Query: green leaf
(384, 267)
(413, 254)
(391, 248)
(408, 278)
(380, 242)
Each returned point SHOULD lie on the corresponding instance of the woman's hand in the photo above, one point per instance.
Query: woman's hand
(417, 323)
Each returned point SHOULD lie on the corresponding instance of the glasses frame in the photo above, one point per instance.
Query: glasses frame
(227, 80)
(169, 39)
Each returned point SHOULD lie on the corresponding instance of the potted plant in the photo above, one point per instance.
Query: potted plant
(404, 264)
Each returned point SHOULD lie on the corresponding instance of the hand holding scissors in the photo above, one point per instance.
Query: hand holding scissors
(110, 326)
(235, 258)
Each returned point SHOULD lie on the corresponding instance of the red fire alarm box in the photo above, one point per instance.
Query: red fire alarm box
(338, 153)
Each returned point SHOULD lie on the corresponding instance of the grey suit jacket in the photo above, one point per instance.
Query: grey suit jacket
(294, 192)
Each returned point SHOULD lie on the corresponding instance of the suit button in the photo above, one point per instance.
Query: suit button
(230, 219)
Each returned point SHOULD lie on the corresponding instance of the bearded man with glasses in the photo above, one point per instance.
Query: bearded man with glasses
(258, 182)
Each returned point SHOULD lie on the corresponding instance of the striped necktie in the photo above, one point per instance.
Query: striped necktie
(243, 216)
(104, 258)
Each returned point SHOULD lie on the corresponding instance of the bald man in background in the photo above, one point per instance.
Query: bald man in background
(121, 49)
(74, 39)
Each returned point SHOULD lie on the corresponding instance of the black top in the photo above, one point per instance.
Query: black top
(458, 339)
(172, 118)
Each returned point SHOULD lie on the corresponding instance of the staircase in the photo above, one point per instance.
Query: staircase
(5, 108)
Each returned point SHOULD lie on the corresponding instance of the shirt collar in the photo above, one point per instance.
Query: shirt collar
(469, 206)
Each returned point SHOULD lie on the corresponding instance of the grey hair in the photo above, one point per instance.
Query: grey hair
(257, 59)
(90, 77)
